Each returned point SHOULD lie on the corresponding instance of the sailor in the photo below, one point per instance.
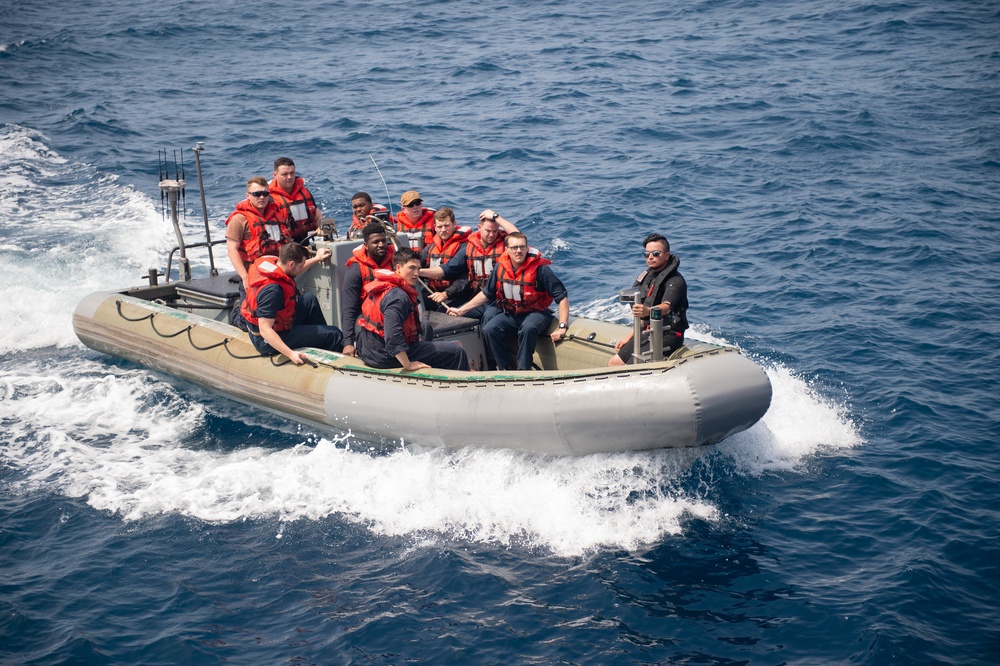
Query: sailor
(520, 290)
(373, 254)
(662, 288)
(448, 240)
(277, 316)
(388, 329)
(475, 260)
(415, 220)
(362, 210)
(253, 229)
(296, 206)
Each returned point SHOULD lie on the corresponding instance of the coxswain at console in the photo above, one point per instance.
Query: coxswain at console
(253, 229)
(661, 287)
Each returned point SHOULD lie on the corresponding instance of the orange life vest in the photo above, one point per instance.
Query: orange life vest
(357, 226)
(267, 233)
(265, 271)
(368, 265)
(481, 259)
(424, 224)
(440, 253)
(296, 209)
(373, 319)
(517, 290)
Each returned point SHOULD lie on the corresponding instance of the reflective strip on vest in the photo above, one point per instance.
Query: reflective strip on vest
(298, 211)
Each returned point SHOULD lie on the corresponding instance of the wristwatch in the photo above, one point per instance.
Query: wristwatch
(563, 325)
(495, 216)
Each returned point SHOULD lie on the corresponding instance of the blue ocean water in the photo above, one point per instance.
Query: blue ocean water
(828, 174)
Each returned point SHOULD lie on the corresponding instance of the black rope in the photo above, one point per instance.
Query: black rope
(152, 325)
(120, 314)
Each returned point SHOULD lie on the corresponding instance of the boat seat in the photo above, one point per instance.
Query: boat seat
(217, 290)
(445, 326)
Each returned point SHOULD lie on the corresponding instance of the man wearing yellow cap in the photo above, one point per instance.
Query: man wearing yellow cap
(415, 220)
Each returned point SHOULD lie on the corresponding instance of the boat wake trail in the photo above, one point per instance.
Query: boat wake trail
(69, 230)
(131, 444)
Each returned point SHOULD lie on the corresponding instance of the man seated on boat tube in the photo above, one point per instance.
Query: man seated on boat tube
(278, 317)
(662, 287)
(388, 329)
(519, 291)
(474, 261)
(362, 212)
(448, 239)
(374, 254)
(296, 206)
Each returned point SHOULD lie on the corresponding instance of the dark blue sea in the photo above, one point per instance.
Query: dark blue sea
(829, 175)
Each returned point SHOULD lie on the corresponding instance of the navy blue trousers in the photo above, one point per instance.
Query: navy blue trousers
(499, 327)
(309, 329)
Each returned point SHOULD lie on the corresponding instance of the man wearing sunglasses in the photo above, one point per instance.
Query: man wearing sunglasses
(416, 220)
(253, 229)
(520, 290)
(662, 288)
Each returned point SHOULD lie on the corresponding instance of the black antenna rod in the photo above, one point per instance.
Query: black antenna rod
(183, 188)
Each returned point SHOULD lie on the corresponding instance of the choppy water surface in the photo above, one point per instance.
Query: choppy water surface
(828, 176)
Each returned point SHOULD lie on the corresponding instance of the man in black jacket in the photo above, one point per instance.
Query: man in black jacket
(661, 287)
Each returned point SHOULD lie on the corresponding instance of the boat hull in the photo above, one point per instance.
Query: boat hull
(706, 395)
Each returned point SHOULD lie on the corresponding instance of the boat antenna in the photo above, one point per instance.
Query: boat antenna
(171, 188)
(198, 148)
(182, 179)
(161, 163)
(388, 198)
(391, 233)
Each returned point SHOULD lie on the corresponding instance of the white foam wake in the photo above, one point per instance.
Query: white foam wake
(68, 230)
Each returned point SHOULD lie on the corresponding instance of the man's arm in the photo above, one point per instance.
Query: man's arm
(233, 250)
(560, 333)
(554, 286)
(474, 302)
(235, 232)
(395, 309)
(453, 269)
(321, 255)
(504, 224)
(267, 332)
(350, 306)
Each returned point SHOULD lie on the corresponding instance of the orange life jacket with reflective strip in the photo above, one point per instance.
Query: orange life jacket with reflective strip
(267, 232)
(265, 271)
(295, 209)
(481, 259)
(368, 265)
(373, 319)
(517, 290)
(424, 224)
(440, 253)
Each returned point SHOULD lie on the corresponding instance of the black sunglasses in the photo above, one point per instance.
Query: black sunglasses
(655, 253)
(261, 193)
(415, 202)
